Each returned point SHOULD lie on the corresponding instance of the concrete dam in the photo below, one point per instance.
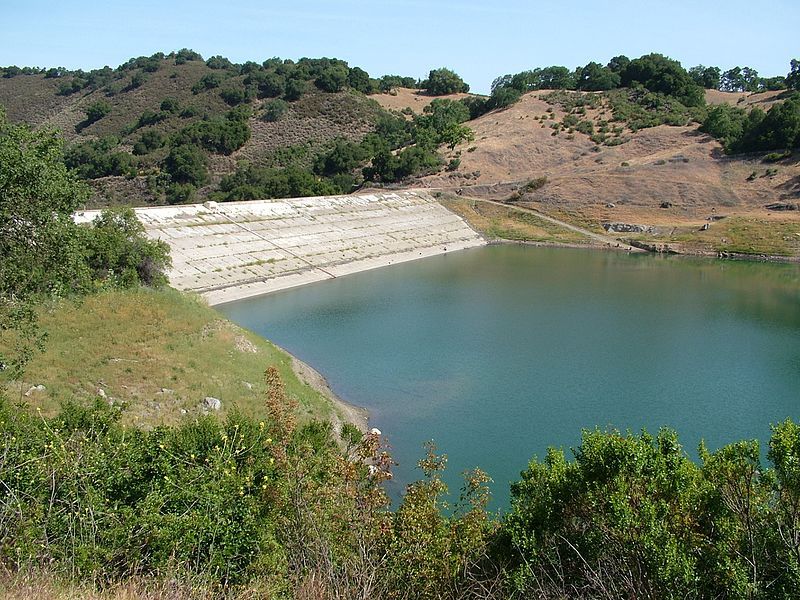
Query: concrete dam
(234, 250)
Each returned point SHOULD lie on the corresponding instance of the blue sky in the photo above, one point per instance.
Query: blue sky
(480, 39)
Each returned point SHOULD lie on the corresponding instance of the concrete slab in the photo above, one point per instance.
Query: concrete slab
(241, 249)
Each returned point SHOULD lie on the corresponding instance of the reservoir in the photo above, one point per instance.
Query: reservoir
(498, 353)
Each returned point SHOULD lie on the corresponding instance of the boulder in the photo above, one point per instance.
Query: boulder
(212, 403)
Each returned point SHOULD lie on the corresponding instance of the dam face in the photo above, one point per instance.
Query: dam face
(234, 250)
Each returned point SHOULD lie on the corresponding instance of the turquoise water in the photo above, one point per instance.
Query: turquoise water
(498, 353)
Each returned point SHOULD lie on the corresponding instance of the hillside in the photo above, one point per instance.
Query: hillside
(163, 96)
(668, 180)
(631, 161)
(158, 355)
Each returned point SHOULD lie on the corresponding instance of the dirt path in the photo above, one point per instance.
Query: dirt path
(605, 240)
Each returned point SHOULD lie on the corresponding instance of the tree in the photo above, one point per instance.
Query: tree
(332, 79)
(725, 123)
(186, 163)
(619, 63)
(707, 77)
(595, 77)
(752, 82)
(295, 88)
(659, 73)
(443, 81)
(218, 62)
(38, 242)
(117, 248)
(96, 111)
(733, 80)
(358, 79)
(793, 78)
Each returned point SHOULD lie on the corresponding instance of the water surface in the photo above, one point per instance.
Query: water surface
(498, 353)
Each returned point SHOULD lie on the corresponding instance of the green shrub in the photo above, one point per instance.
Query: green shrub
(585, 127)
(186, 163)
(773, 157)
(207, 82)
(96, 111)
(274, 110)
(170, 105)
(97, 158)
(118, 250)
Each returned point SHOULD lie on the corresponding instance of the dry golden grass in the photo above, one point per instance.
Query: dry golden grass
(507, 223)
(400, 98)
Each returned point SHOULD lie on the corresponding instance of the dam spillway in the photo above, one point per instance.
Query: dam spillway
(234, 250)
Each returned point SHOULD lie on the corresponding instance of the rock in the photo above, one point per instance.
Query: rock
(210, 205)
(666, 205)
(627, 228)
(782, 206)
(705, 227)
(375, 431)
(212, 403)
(166, 391)
(101, 392)
(242, 344)
(35, 388)
(184, 411)
(611, 205)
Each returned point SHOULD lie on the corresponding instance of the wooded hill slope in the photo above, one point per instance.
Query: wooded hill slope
(636, 147)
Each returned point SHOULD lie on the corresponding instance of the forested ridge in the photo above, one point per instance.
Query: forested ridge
(175, 124)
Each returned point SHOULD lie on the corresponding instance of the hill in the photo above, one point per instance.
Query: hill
(637, 148)
(291, 112)
(667, 182)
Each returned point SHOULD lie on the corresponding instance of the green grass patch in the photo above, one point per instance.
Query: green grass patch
(508, 223)
(157, 353)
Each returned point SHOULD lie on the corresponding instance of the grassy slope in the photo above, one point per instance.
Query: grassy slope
(499, 223)
(133, 344)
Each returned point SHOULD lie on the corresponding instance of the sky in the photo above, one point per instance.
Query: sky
(479, 39)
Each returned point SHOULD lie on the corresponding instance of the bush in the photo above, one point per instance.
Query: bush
(218, 62)
(251, 183)
(179, 193)
(185, 55)
(443, 81)
(148, 141)
(295, 88)
(234, 96)
(333, 79)
(221, 135)
(97, 158)
(773, 157)
(274, 110)
(536, 184)
(118, 250)
(207, 82)
(170, 105)
(137, 80)
(96, 111)
(186, 163)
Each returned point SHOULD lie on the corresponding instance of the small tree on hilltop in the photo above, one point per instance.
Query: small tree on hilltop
(443, 81)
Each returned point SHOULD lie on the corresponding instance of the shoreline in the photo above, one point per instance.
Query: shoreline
(343, 411)
(264, 287)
